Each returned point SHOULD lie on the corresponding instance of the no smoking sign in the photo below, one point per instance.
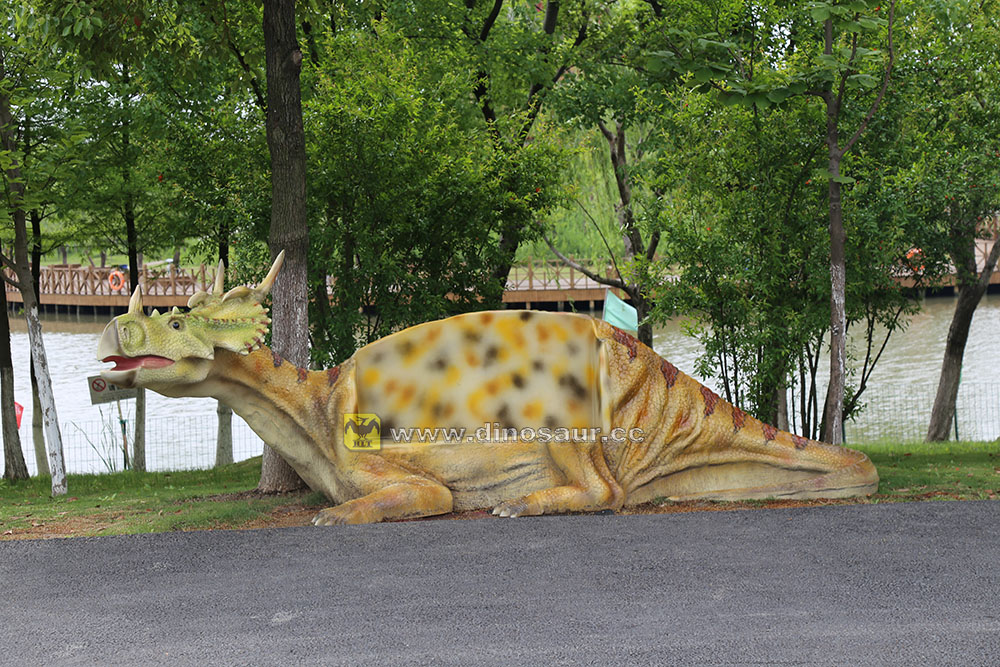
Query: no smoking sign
(102, 391)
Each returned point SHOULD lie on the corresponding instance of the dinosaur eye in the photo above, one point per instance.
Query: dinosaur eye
(175, 324)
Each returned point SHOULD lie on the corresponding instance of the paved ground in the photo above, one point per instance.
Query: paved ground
(857, 585)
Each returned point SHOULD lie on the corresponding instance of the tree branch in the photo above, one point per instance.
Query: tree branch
(7, 262)
(534, 105)
(654, 241)
(610, 282)
(604, 239)
(989, 266)
(231, 45)
(490, 20)
(885, 85)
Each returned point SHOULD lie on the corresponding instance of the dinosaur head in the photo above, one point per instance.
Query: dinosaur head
(165, 351)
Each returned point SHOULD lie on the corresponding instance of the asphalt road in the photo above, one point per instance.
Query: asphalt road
(852, 585)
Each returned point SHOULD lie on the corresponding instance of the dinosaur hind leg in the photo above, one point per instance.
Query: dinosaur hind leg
(396, 494)
(590, 485)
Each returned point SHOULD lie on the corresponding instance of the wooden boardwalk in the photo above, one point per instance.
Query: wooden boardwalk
(547, 282)
(540, 282)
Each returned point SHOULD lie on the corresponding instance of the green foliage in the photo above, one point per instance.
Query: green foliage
(407, 196)
(744, 243)
(951, 175)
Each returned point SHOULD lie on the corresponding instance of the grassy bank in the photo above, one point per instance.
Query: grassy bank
(961, 470)
(130, 502)
(223, 498)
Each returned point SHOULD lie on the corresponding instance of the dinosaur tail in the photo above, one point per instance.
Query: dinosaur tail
(744, 458)
(702, 447)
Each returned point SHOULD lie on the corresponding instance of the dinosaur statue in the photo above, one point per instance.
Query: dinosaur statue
(591, 418)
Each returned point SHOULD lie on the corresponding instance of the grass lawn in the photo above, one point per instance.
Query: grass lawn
(959, 470)
(132, 502)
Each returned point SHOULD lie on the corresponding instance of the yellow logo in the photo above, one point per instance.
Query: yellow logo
(362, 432)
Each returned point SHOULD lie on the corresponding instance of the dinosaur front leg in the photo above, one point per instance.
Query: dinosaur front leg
(396, 494)
(591, 486)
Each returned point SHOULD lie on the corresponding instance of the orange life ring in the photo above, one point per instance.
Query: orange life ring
(116, 280)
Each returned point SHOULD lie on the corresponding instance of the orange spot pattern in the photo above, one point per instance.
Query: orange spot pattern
(770, 433)
(800, 442)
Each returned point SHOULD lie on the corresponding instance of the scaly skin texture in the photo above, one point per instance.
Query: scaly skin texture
(548, 372)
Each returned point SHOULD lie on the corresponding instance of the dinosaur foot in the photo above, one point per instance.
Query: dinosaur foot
(515, 508)
(341, 515)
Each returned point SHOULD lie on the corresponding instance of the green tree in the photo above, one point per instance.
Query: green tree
(954, 177)
(763, 54)
(610, 95)
(27, 81)
(408, 197)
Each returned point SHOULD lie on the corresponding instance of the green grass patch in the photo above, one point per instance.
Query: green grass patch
(131, 502)
(947, 470)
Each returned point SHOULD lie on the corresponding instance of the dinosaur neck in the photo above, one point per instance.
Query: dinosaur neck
(290, 408)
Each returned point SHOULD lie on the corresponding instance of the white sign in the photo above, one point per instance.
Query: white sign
(102, 391)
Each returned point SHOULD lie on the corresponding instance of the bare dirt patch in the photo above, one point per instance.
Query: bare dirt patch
(77, 526)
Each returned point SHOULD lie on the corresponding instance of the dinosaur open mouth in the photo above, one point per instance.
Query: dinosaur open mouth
(131, 363)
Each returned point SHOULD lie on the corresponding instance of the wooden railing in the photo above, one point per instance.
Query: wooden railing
(545, 280)
(165, 287)
(109, 286)
(553, 274)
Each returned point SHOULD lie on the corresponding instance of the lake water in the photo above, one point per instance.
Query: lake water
(181, 432)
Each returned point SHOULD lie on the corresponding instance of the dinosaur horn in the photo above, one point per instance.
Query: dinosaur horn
(268, 282)
(220, 279)
(135, 303)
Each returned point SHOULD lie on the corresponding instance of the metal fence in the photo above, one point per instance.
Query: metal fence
(903, 412)
(899, 413)
(172, 443)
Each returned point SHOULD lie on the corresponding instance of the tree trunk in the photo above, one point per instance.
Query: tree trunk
(833, 412)
(224, 438)
(13, 458)
(139, 438)
(37, 426)
(970, 293)
(134, 277)
(289, 230)
(15, 199)
(224, 435)
(46, 398)
(134, 273)
(641, 305)
(781, 400)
